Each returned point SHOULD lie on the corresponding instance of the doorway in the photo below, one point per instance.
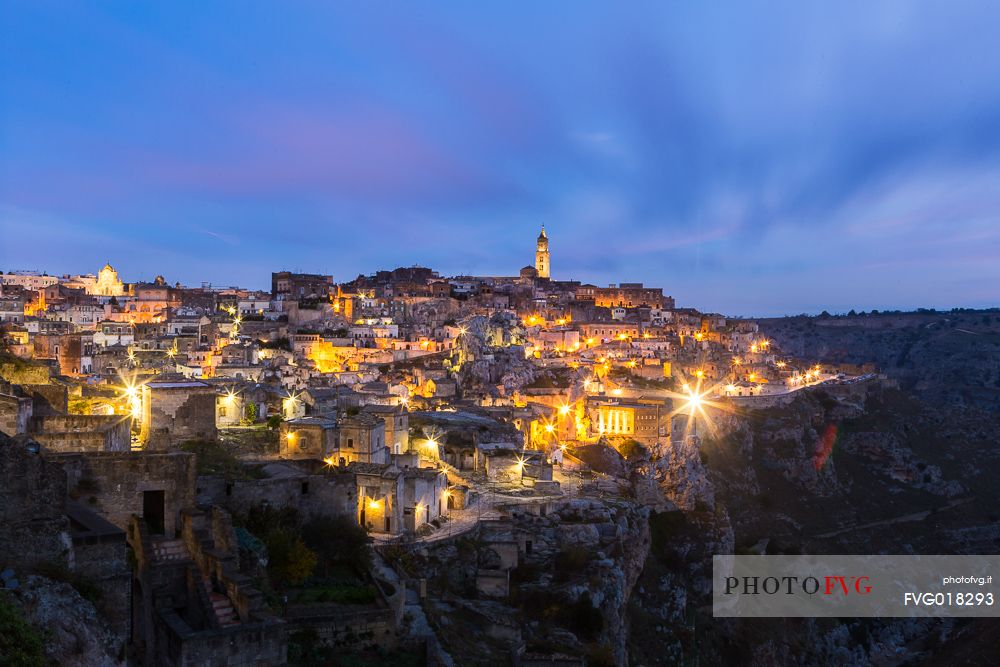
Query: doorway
(153, 511)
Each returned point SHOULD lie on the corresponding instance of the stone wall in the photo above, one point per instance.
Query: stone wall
(82, 433)
(99, 556)
(116, 482)
(15, 412)
(238, 646)
(33, 524)
(175, 412)
(363, 629)
(48, 399)
(333, 493)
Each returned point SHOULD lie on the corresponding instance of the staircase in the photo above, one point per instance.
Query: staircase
(168, 551)
(223, 609)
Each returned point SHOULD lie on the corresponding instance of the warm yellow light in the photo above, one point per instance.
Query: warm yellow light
(590, 341)
(374, 504)
(549, 428)
(289, 436)
(752, 377)
(622, 336)
(171, 352)
(617, 392)
(564, 409)
(699, 374)
(730, 388)
(561, 321)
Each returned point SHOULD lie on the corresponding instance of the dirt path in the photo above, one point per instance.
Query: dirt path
(906, 518)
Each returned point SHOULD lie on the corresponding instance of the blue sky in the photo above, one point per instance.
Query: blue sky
(751, 158)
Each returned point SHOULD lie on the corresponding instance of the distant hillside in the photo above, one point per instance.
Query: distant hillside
(952, 357)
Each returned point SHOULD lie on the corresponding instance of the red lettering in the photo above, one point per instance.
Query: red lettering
(831, 584)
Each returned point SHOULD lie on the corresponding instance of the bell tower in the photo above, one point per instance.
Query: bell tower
(542, 255)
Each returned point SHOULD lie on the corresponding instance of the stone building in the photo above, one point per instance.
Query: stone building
(308, 438)
(397, 425)
(73, 351)
(380, 496)
(82, 433)
(152, 485)
(33, 521)
(39, 523)
(107, 284)
(424, 496)
(647, 422)
(288, 286)
(625, 295)
(362, 438)
(176, 410)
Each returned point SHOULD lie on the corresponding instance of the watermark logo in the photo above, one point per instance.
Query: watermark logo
(844, 586)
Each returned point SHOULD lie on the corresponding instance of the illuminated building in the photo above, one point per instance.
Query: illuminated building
(108, 283)
(542, 255)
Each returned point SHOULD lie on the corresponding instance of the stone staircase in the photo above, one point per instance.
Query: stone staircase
(168, 551)
(174, 551)
(223, 609)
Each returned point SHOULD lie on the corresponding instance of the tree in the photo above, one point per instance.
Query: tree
(337, 539)
(289, 560)
(250, 412)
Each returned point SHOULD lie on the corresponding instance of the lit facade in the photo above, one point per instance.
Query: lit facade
(542, 255)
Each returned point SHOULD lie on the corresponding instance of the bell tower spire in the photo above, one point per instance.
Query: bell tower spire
(542, 255)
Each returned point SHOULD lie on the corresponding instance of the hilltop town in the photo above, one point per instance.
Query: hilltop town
(430, 470)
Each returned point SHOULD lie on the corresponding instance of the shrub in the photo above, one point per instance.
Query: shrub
(21, 644)
(337, 539)
(290, 561)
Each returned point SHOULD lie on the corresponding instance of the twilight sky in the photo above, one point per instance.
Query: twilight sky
(760, 158)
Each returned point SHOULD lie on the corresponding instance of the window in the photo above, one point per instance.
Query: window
(305, 488)
(350, 443)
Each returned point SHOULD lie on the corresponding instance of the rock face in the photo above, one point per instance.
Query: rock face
(489, 356)
(576, 566)
(77, 636)
(866, 470)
